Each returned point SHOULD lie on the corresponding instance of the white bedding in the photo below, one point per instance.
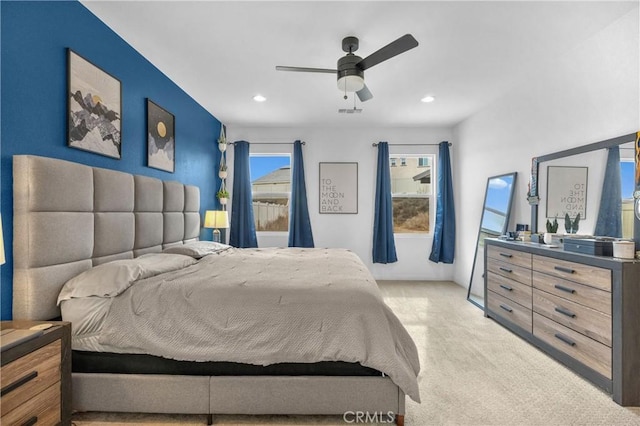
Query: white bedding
(257, 306)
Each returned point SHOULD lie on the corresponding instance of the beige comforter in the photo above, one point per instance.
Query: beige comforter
(265, 306)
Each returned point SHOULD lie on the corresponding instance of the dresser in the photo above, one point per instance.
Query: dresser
(582, 310)
(36, 376)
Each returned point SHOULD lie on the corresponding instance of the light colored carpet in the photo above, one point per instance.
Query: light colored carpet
(474, 372)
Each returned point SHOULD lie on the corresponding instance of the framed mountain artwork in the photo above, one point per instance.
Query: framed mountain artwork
(94, 108)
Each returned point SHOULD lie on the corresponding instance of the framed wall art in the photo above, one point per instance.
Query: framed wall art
(566, 191)
(94, 108)
(339, 188)
(161, 148)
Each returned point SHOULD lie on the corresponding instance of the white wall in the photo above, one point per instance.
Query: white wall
(353, 231)
(589, 94)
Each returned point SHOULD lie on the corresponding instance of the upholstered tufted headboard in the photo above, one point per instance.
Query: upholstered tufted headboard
(69, 217)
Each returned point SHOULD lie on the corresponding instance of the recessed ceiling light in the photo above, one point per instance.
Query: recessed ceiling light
(428, 99)
(259, 98)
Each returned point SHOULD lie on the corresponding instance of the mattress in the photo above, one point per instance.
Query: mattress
(106, 362)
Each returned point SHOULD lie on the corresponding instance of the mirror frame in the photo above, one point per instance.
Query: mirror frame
(504, 228)
(535, 168)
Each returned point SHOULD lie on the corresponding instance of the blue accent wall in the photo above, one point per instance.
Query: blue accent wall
(35, 37)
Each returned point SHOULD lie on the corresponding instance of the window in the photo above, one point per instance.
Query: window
(412, 190)
(271, 191)
(627, 171)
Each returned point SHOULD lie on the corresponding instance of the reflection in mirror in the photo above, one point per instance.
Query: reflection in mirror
(596, 161)
(493, 223)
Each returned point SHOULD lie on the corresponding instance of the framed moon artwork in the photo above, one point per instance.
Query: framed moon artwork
(161, 146)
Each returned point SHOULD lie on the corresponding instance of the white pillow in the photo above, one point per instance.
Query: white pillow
(112, 278)
(197, 249)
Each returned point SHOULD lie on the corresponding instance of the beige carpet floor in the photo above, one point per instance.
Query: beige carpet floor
(474, 372)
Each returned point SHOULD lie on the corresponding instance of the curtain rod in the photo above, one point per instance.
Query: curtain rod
(270, 143)
(411, 144)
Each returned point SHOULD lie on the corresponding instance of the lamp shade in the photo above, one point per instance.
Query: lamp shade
(216, 219)
(2, 259)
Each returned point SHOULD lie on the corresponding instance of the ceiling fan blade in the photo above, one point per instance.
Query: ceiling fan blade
(364, 94)
(392, 49)
(302, 69)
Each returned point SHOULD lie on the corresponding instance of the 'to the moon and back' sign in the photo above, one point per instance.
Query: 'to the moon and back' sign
(566, 192)
(338, 188)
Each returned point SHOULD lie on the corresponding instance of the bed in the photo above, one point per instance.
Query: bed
(71, 220)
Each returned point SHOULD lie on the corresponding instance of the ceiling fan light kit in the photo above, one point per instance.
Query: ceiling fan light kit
(350, 72)
(350, 77)
(350, 83)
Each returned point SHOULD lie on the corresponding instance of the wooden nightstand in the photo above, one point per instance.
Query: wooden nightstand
(36, 376)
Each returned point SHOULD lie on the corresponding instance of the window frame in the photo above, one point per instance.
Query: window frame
(404, 155)
(274, 154)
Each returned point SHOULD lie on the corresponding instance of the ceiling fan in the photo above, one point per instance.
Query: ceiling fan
(351, 68)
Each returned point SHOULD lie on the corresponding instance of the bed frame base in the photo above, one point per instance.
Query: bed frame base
(304, 395)
(399, 419)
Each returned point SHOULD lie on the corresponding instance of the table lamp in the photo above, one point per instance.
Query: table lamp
(216, 219)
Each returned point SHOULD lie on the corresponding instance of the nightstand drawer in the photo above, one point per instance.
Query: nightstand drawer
(517, 314)
(29, 375)
(43, 409)
(513, 290)
(593, 354)
(577, 272)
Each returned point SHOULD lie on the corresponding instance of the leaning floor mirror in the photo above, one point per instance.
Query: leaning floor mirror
(496, 210)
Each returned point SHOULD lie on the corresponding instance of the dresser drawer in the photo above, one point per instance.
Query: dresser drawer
(517, 314)
(577, 272)
(582, 319)
(512, 290)
(514, 257)
(510, 271)
(29, 375)
(42, 409)
(594, 298)
(593, 354)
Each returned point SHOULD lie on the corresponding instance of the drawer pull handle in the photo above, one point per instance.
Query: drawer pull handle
(563, 269)
(506, 269)
(509, 255)
(15, 385)
(566, 312)
(506, 308)
(565, 339)
(506, 287)
(563, 288)
(32, 421)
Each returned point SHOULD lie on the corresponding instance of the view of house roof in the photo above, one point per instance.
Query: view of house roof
(281, 175)
(424, 177)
